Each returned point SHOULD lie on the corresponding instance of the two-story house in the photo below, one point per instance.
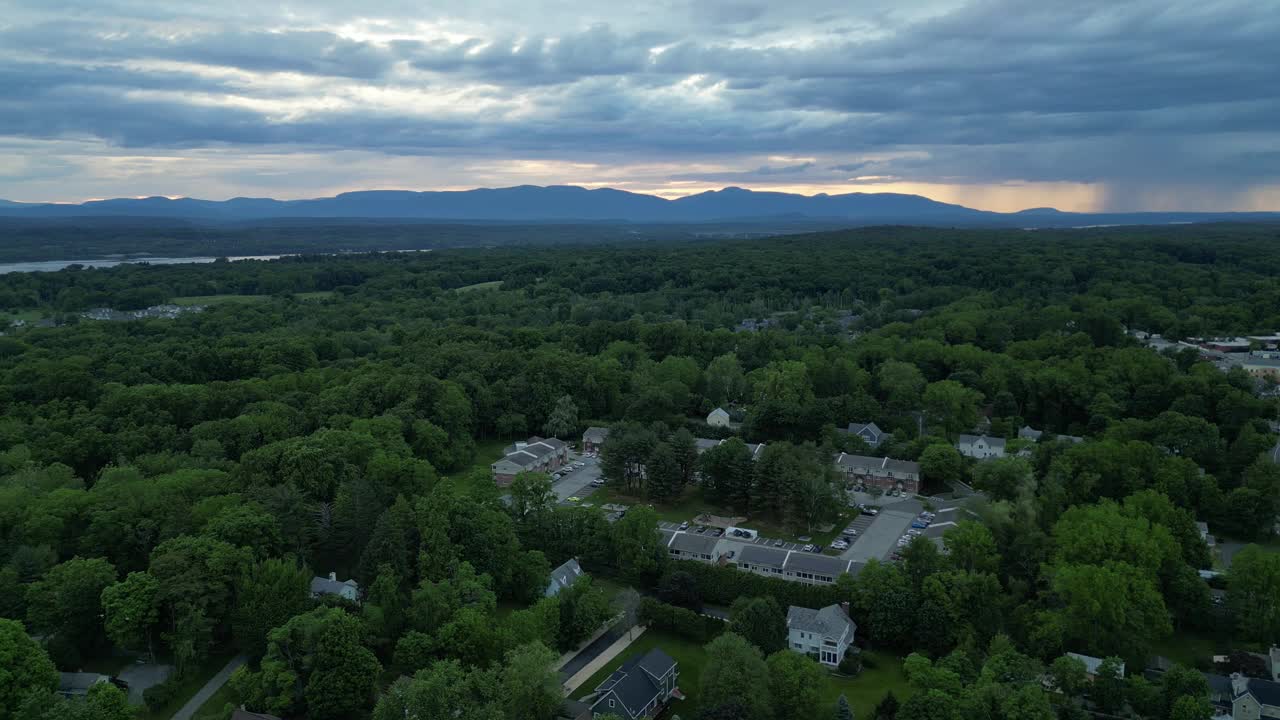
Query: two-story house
(884, 473)
(640, 688)
(349, 589)
(870, 433)
(563, 576)
(719, 418)
(593, 439)
(981, 447)
(825, 635)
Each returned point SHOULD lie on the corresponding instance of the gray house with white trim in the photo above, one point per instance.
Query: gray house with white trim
(981, 447)
(640, 688)
(825, 634)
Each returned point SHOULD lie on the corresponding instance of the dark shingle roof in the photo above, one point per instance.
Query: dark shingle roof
(761, 555)
(872, 464)
(810, 562)
(694, 543)
(595, 434)
(1265, 692)
(656, 662)
(633, 683)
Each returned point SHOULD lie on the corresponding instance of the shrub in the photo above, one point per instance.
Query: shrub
(158, 697)
(678, 621)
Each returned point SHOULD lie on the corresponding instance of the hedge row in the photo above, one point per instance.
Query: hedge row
(678, 621)
(721, 585)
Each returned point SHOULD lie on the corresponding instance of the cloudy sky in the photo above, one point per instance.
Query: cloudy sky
(997, 104)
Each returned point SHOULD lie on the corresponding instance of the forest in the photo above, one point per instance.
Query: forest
(170, 487)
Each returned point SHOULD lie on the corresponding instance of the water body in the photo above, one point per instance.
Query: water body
(55, 265)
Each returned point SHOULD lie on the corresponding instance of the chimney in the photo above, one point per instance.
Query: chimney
(1239, 685)
(333, 576)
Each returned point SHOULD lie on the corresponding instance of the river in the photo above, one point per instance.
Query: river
(55, 265)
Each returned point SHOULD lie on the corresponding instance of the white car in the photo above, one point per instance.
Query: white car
(808, 548)
(914, 532)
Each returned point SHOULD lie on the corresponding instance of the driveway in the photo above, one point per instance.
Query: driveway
(141, 676)
(215, 683)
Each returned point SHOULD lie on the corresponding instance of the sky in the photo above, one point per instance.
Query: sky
(1087, 105)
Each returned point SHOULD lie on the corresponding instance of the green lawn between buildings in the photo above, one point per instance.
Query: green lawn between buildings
(691, 504)
(214, 708)
(863, 691)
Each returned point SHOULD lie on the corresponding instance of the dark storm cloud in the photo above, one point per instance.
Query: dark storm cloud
(983, 91)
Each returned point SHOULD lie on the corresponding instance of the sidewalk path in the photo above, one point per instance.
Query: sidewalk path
(604, 658)
(211, 687)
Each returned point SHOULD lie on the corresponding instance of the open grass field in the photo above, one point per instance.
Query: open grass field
(9, 316)
(220, 299)
(487, 451)
(863, 691)
(491, 285)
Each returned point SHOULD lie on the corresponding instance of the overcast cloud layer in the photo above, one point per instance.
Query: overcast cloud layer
(999, 104)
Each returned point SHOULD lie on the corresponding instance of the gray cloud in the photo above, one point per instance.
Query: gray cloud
(986, 91)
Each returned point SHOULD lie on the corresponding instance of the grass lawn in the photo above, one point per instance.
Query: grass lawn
(188, 686)
(868, 688)
(491, 285)
(487, 451)
(1186, 647)
(863, 691)
(212, 708)
(220, 299)
(691, 504)
(25, 315)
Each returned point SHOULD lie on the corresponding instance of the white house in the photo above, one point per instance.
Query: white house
(825, 635)
(980, 446)
(349, 589)
(718, 418)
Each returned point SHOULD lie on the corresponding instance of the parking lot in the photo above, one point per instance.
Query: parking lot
(759, 540)
(578, 482)
(881, 533)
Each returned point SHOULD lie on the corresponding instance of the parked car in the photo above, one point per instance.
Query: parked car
(778, 543)
(717, 532)
(871, 511)
(573, 498)
(700, 529)
(597, 483)
(808, 548)
(919, 524)
(818, 548)
(914, 532)
(684, 525)
(839, 545)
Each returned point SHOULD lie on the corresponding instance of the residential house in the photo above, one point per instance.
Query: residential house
(825, 634)
(884, 473)
(533, 455)
(870, 433)
(1026, 432)
(1091, 664)
(77, 684)
(718, 418)
(1262, 367)
(641, 687)
(704, 444)
(1253, 698)
(692, 546)
(563, 576)
(349, 589)
(980, 446)
(593, 439)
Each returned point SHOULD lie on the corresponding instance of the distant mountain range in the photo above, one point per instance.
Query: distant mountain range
(568, 204)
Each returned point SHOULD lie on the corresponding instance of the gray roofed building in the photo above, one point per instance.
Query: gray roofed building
(885, 473)
(870, 433)
(639, 688)
(563, 576)
(981, 447)
(705, 444)
(814, 568)
(593, 438)
(1253, 698)
(77, 684)
(762, 559)
(692, 546)
(1026, 432)
(349, 589)
(1091, 664)
(824, 634)
(536, 454)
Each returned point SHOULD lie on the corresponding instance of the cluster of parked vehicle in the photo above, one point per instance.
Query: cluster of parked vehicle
(888, 493)
(917, 528)
(571, 467)
(846, 539)
(704, 530)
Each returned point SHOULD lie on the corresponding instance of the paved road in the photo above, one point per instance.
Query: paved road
(211, 687)
(591, 652)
